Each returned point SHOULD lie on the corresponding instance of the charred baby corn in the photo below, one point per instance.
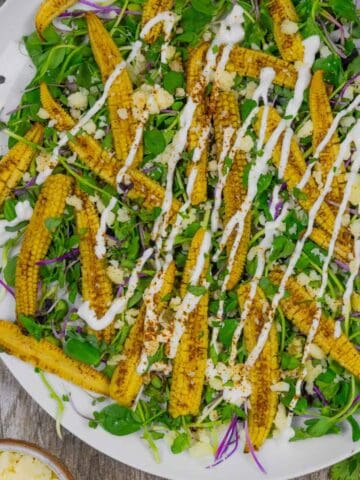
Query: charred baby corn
(48, 11)
(37, 239)
(96, 286)
(322, 118)
(107, 56)
(195, 89)
(287, 38)
(265, 373)
(16, 162)
(126, 382)
(248, 63)
(102, 163)
(300, 308)
(294, 171)
(190, 361)
(150, 10)
(50, 358)
(227, 115)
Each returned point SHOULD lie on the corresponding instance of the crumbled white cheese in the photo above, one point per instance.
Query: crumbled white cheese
(98, 202)
(212, 166)
(355, 302)
(349, 93)
(16, 466)
(225, 80)
(246, 143)
(316, 352)
(180, 92)
(75, 113)
(79, 100)
(306, 130)
(355, 192)
(137, 67)
(43, 114)
(249, 90)
(280, 387)
(355, 228)
(295, 347)
(90, 127)
(123, 113)
(43, 162)
(131, 315)
(115, 359)
(325, 51)
(312, 372)
(123, 215)
(346, 122)
(75, 202)
(280, 421)
(176, 65)
(345, 221)
(151, 99)
(288, 27)
(318, 179)
(99, 134)
(207, 36)
(115, 273)
(169, 52)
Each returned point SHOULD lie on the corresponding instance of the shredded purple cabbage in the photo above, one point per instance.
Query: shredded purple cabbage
(342, 265)
(335, 47)
(320, 395)
(7, 288)
(73, 253)
(347, 84)
(30, 183)
(231, 438)
(251, 446)
(72, 403)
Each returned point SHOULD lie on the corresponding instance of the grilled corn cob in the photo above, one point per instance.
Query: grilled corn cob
(227, 115)
(289, 45)
(14, 164)
(96, 286)
(37, 239)
(300, 308)
(107, 56)
(195, 89)
(126, 382)
(322, 119)
(50, 9)
(249, 63)
(294, 171)
(150, 10)
(190, 361)
(100, 161)
(265, 373)
(63, 120)
(52, 359)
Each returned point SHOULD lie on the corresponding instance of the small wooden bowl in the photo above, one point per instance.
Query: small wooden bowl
(26, 448)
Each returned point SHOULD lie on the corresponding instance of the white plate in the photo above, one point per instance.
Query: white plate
(282, 461)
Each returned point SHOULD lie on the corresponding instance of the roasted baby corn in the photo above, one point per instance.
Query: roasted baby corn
(190, 361)
(139, 186)
(294, 171)
(265, 373)
(249, 63)
(37, 239)
(50, 358)
(227, 115)
(195, 89)
(300, 308)
(96, 285)
(322, 119)
(284, 16)
(63, 120)
(150, 10)
(126, 382)
(50, 9)
(107, 56)
(16, 162)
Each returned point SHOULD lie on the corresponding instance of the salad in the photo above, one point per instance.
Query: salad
(180, 222)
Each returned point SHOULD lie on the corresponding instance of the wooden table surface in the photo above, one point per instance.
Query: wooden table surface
(22, 418)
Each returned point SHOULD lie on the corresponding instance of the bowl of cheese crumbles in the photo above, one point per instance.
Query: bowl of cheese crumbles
(25, 461)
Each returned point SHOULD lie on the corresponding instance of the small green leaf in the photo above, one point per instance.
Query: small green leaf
(82, 351)
(288, 362)
(227, 331)
(52, 223)
(154, 141)
(31, 326)
(173, 80)
(181, 443)
(246, 107)
(9, 271)
(344, 9)
(197, 290)
(204, 6)
(9, 209)
(332, 67)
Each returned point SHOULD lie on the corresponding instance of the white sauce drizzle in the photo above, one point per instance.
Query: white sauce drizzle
(100, 248)
(353, 135)
(354, 270)
(119, 304)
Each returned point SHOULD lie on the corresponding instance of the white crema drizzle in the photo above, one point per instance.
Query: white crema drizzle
(100, 248)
